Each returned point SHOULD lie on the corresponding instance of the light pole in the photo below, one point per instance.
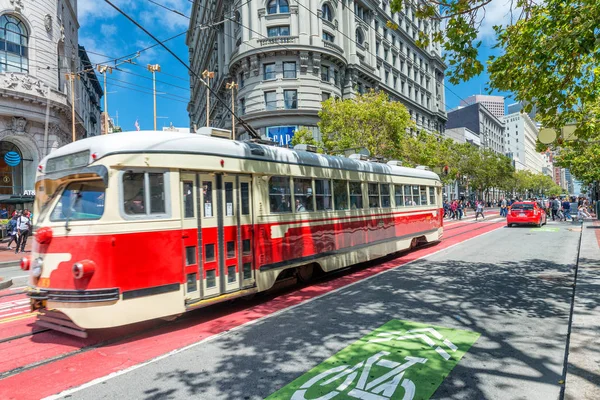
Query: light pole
(232, 86)
(154, 68)
(71, 78)
(208, 75)
(103, 69)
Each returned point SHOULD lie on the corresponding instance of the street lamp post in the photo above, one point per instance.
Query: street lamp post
(208, 75)
(232, 86)
(103, 69)
(154, 68)
(71, 77)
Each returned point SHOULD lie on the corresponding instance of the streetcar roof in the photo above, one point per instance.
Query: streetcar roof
(189, 143)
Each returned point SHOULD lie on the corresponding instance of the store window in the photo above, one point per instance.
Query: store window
(11, 169)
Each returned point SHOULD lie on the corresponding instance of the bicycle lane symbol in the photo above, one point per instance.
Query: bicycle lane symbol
(399, 360)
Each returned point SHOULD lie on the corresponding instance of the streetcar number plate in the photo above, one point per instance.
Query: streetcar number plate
(521, 215)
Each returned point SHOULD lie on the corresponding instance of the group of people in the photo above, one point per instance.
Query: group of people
(457, 209)
(558, 208)
(19, 228)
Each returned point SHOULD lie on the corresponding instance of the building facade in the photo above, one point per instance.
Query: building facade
(38, 47)
(90, 93)
(493, 103)
(289, 56)
(520, 141)
(478, 119)
(463, 135)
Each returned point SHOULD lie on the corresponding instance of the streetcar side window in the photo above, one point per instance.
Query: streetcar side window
(80, 201)
(144, 194)
(134, 193)
(280, 198)
(416, 199)
(398, 196)
(431, 195)
(373, 195)
(323, 194)
(356, 200)
(303, 195)
(384, 189)
(423, 193)
(157, 193)
(340, 194)
(408, 201)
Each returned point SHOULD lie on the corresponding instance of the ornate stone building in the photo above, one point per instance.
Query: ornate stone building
(38, 47)
(289, 55)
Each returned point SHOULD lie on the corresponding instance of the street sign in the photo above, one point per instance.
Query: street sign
(399, 360)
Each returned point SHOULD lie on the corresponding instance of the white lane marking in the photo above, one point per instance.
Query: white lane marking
(19, 277)
(9, 314)
(19, 288)
(4, 306)
(239, 327)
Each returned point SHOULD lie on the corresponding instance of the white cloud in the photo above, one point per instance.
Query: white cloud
(88, 11)
(154, 15)
(497, 12)
(108, 31)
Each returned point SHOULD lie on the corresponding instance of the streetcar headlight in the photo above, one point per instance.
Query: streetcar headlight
(36, 268)
(84, 268)
(26, 263)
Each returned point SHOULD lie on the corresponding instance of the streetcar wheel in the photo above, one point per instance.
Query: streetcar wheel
(305, 273)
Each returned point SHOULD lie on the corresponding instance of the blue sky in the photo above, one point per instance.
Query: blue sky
(108, 36)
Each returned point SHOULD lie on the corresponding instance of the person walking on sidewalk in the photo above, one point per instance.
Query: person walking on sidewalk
(11, 228)
(23, 230)
(555, 205)
(566, 206)
(479, 210)
(503, 209)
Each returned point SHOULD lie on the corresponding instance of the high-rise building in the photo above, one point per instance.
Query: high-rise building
(478, 119)
(289, 56)
(518, 107)
(520, 141)
(38, 49)
(493, 103)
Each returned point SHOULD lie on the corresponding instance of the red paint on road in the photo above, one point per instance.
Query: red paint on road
(81, 368)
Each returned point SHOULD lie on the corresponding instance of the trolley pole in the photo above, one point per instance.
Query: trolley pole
(208, 75)
(104, 69)
(154, 69)
(71, 78)
(232, 86)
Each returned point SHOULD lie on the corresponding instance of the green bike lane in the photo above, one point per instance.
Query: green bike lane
(486, 318)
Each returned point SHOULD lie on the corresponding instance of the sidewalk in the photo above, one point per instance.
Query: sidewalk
(8, 258)
(583, 367)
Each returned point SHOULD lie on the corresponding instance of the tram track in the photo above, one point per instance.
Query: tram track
(280, 289)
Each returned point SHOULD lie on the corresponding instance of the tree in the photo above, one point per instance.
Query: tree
(304, 136)
(370, 120)
(550, 53)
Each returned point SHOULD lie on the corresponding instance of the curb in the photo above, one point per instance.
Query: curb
(4, 284)
(6, 264)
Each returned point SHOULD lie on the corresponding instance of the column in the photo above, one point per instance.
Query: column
(349, 29)
(253, 22)
(315, 35)
(303, 23)
(220, 52)
(372, 39)
(245, 22)
(228, 41)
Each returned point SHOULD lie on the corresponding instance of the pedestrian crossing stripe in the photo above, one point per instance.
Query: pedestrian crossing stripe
(399, 360)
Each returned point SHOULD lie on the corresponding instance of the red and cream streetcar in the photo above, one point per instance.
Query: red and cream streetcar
(141, 225)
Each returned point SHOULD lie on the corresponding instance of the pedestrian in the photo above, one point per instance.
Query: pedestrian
(453, 208)
(503, 212)
(23, 231)
(555, 206)
(11, 229)
(479, 210)
(566, 206)
(459, 209)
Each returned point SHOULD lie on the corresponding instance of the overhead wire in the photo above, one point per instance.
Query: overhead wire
(251, 131)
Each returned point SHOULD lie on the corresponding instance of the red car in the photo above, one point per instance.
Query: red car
(526, 212)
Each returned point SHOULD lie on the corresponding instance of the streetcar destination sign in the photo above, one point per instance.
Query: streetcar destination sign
(399, 360)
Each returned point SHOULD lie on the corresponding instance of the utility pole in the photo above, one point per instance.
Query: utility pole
(232, 86)
(71, 77)
(208, 75)
(103, 69)
(154, 68)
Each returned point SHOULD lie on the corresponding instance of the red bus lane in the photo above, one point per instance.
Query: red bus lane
(84, 361)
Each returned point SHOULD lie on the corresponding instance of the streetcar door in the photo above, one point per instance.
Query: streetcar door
(246, 242)
(190, 236)
(211, 242)
(229, 233)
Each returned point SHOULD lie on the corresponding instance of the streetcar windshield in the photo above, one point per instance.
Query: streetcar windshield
(80, 201)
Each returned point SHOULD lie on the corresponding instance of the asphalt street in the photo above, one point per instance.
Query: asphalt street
(511, 286)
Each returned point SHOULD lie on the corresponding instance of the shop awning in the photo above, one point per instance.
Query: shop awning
(16, 199)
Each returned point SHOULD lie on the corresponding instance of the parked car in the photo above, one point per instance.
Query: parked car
(526, 213)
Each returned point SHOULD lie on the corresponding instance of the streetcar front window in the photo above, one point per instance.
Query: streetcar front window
(80, 201)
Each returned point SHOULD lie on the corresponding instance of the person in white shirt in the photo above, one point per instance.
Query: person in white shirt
(23, 231)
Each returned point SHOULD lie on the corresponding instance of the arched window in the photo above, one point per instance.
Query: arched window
(278, 6)
(359, 37)
(13, 45)
(326, 13)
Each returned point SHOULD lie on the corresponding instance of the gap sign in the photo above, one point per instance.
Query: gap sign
(399, 360)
